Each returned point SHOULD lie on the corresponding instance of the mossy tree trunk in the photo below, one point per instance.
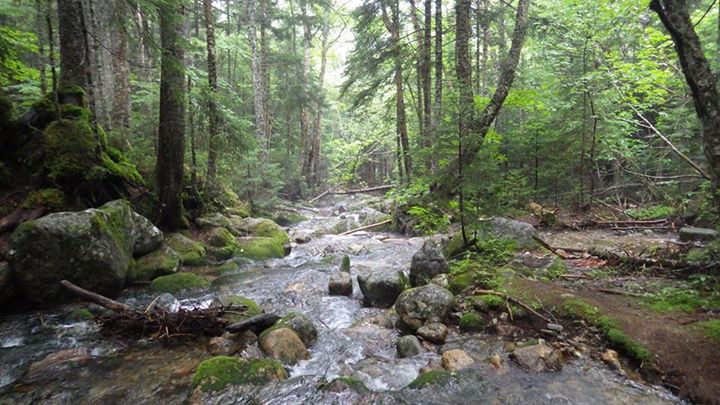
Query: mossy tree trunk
(171, 132)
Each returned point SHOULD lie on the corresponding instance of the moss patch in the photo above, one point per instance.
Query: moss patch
(688, 300)
(259, 248)
(245, 307)
(345, 265)
(471, 322)
(71, 149)
(161, 262)
(711, 329)
(51, 199)
(228, 267)
(174, 283)
(218, 372)
(345, 382)
(79, 314)
(432, 378)
(192, 253)
(487, 301)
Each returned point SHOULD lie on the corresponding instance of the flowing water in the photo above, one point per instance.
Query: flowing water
(352, 341)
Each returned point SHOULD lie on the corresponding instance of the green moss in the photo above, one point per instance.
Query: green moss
(71, 149)
(710, 328)
(471, 322)
(454, 247)
(488, 301)
(556, 269)
(577, 308)
(221, 237)
(672, 299)
(73, 112)
(161, 262)
(174, 283)
(218, 372)
(627, 345)
(656, 212)
(269, 229)
(79, 314)
(345, 265)
(120, 167)
(192, 253)
(227, 267)
(351, 382)
(432, 378)
(259, 248)
(51, 199)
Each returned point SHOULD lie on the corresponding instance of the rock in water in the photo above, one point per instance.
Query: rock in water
(283, 344)
(161, 262)
(340, 284)
(456, 360)
(434, 332)
(256, 324)
(429, 303)
(427, 263)
(90, 248)
(300, 324)
(192, 253)
(408, 346)
(381, 287)
(537, 358)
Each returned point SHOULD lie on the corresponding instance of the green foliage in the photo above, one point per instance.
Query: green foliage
(488, 301)
(710, 328)
(429, 220)
(345, 265)
(655, 212)
(684, 299)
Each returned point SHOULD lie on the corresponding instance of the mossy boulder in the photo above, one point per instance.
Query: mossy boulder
(300, 324)
(245, 307)
(283, 344)
(161, 262)
(381, 286)
(259, 248)
(221, 243)
(262, 227)
(214, 220)
(228, 267)
(90, 248)
(471, 322)
(177, 282)
(192, 253)
(432, 378)
(51, 199)
(429, 303)
(218, 372)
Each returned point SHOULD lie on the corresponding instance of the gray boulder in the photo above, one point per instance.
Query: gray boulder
(427, 263)
(420, 305)
(433, 332)
(521, 232)
(340, 283)
(161, 262)
(90, 248)
(408, 346)
(301, 325)
(381, 287)
(691, 233)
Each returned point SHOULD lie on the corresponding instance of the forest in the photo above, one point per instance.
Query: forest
(345, 201)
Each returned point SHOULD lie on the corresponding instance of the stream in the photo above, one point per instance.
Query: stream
(352, 341)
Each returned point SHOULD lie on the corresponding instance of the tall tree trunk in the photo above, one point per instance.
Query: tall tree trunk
(74, 61)
(393, 28)
(696, 68)
(437, 106)
(427, 136)
(418, 68)
(171, 130)
(257, 80)
(305, 140)
(463, 70)
(40, 16)
(317, 127)
(120, 116)
(485, 27)
(507, 75)
(213, 117)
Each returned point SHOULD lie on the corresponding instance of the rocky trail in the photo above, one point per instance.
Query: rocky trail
(352, 346)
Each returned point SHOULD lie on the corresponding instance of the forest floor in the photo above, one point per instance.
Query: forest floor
(684, 357)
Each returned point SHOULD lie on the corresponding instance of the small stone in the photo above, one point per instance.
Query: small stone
(434, 332)
(283, 344)
(610, 357)
(456, 359)
(223, 345)
(408, 346)
(537, 358)
(340, 284)
(496, 361)
(554, 327)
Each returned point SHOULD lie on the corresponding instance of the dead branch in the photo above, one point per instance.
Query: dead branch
(320, 196)
(363, 228)
(97, 298)
(514, 301)
(618, 292)
(365, 190)
(550, 248)
(17, 217)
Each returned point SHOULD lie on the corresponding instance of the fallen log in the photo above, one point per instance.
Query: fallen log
(366, 227)
(365, 190)
(17, 217)
(514, 301)
(320, 196)
(97, 298)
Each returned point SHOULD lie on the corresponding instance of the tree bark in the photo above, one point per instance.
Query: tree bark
(305, 137)
(213, 117)
(696, 68)
(257, 80)
(437, 106)
(418, 31)
(120, 116)
(314, 159)
(427, 136)
(171, 130)
(74, 61)
(41, 13)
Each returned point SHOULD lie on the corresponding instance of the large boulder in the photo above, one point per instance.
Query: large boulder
(691, 233)
(90, 248)
(427, 263)
(6, 286)
(241, 307)
(420, 305)
(521, 232)
(381, 287)
(283, 344)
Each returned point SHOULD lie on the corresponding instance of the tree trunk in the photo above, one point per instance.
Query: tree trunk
(427, 135)
(74, 61)
(171, 130)
(213, 117)
(257, 80)
(696, 68)
(463, 70)
(317, 127)
(507, 75)
(41, 13)
(120, 116)
(437, 106)
(305, 140)
(418, 69)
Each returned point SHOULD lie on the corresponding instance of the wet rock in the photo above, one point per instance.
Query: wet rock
(691, 233)
(283, 344)
(456, 359)
(161, 262)
(6, 287)
(224, 345)
(537, 358)
(214, 220)
(218, 372)
(257, 324)
(419, 305)
(177, 282)
(471, 322)
(340, 283)
(55, 363)
(433, 332)
(221, 243)
(611, 358)
(381, 287)
(496, 361)
(239, 307)
(554, 327)
(408, 346)
(433, 365)
(345, 383)
(427, 263)
(192, 253)
(300, 324)
(260, 248)
(167, 302)
(90, 248)
(441, 280)
(302, 237)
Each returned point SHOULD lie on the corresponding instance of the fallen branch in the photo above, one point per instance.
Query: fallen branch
(550, 248)
(320, 196)
(17, 217)
(366, 227)
(618, 292)
(514, 301)
(365, 190)
(97, 298)
(580, 276)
